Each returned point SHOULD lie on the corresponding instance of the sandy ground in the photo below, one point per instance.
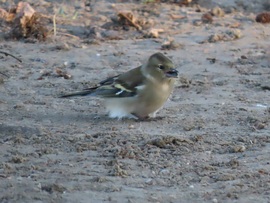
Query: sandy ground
(212, 145)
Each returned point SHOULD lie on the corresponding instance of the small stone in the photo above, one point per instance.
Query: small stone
(233, 163)
(259, 126)
(111, 35)
(235, 33)
(214, 200)
(207, 18)
(265, 86)
(118, 171)
(197, 22)
(170, 44)
(149, 181)
(239, 148)
(131, 126)
(164, 171)
(215, 38)
(218, 12)
(158, 142)
(225, 177)
(103, 18)
(61, 46)
(18, 159)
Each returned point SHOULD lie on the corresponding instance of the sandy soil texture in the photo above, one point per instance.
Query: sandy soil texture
(213, 143)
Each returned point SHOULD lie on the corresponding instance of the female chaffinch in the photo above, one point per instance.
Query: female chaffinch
(138, 93)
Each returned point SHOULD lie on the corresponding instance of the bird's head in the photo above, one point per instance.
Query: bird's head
(160, 67)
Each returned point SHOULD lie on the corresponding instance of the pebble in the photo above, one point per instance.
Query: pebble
(218, 12)
(239, 148)
(164, 171)
(207, 18)
(149, 181)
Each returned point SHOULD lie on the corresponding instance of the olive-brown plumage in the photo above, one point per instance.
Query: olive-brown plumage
(140, 92)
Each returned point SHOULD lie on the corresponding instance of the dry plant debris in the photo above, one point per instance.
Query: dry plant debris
(7, 16)
(185, 82)
(185, 2)
(228, 35)
(127, 21)
(170, 44)
(8, 54)
(64, 74)
(128, 18)
(167, 141)
(25, 22)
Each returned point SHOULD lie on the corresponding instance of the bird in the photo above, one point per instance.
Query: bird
(138, 93)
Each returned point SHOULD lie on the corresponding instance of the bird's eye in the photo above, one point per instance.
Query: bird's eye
(161, 67)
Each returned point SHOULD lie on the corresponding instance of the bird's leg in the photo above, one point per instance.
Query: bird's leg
(136, 116)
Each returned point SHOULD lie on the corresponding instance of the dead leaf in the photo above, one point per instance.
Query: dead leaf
(7, 16)
(127, 18)
(24, 10)
(25, 22)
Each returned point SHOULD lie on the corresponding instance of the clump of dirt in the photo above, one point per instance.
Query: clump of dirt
(263, 17)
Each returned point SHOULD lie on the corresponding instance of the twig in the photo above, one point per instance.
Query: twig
(175, 17)
(69, 35)
(7, 54)
(3, 176)
(54, 24)
(4, 74)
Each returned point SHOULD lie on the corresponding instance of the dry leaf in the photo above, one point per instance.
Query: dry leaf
(127, 18)
(24, 10)
(3, 13)
(28, 23)
(25, 22)
(7, 16)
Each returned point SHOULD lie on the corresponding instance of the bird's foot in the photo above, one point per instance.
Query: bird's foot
(147, 118)
(157, 118)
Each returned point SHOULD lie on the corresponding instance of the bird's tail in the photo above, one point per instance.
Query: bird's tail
(81, 93)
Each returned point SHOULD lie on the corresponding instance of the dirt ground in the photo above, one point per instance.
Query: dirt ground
(213, 143)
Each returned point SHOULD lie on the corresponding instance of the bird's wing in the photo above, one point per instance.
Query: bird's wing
(123, 85)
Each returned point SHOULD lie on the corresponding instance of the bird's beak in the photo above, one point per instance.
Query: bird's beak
(172, 73)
